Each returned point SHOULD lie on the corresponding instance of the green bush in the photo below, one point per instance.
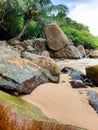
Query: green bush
(78, 33)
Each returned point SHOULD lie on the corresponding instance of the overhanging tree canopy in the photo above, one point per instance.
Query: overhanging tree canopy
(16, 13)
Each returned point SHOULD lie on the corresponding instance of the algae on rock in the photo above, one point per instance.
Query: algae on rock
(17, 114)
(92, 73)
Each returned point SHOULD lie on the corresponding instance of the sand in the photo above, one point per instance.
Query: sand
(65, 104)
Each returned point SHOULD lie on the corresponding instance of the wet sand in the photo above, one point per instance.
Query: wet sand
(65, 104)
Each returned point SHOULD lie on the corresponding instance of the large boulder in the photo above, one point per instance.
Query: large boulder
(93, 53)
(92, 73)
(17, 74)
(56, 39)
(17, 114)
(23, 75)
(48, 65)
(70, 52)
(77, 84)
(93, 99)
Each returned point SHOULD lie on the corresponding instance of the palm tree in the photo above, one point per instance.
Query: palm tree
(29, 10)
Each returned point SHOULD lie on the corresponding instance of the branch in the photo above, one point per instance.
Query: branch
(4, 28)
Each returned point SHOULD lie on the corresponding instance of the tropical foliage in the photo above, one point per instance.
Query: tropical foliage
(16, 14)
(77, 32)
(23, 19)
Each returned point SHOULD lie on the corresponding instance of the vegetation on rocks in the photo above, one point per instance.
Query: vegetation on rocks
(92, 73)
(21, 71)
(19, 20)
(16, 112)
(15, 15)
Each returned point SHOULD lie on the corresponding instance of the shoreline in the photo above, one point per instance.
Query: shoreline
(65, 104)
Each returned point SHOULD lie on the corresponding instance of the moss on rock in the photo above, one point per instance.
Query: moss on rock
(17, 114)
(92, 73)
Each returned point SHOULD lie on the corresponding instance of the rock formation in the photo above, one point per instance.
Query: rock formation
(23, 75)
(17, 114)
(81, 50)
(92, 73)
(59, 44)
(93, 53)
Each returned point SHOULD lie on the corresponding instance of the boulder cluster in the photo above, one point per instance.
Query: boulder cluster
(24, 65)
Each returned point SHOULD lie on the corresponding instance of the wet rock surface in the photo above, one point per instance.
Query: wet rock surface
(77, 84)
(77, 75)
(93, 100)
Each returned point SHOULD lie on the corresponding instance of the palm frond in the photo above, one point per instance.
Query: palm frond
(61, 8)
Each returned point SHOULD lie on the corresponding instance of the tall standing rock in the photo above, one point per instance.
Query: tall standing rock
(59, 44)
(56, 39)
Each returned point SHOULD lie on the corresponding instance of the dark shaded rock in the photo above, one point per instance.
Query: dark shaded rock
(92, 73)
(56, 39)
(77, 75)
(17, 114)
(77, 84)
(70, 52)
(88, 82)
(74, 73)
(67, 70)
(93, 99)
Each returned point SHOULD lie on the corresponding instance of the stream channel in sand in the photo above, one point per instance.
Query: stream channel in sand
(62, 102)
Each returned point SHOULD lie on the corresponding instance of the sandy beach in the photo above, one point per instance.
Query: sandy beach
(65, 104)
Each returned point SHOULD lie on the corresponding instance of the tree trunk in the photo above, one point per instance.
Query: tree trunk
(27, 18)
(21, 32)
